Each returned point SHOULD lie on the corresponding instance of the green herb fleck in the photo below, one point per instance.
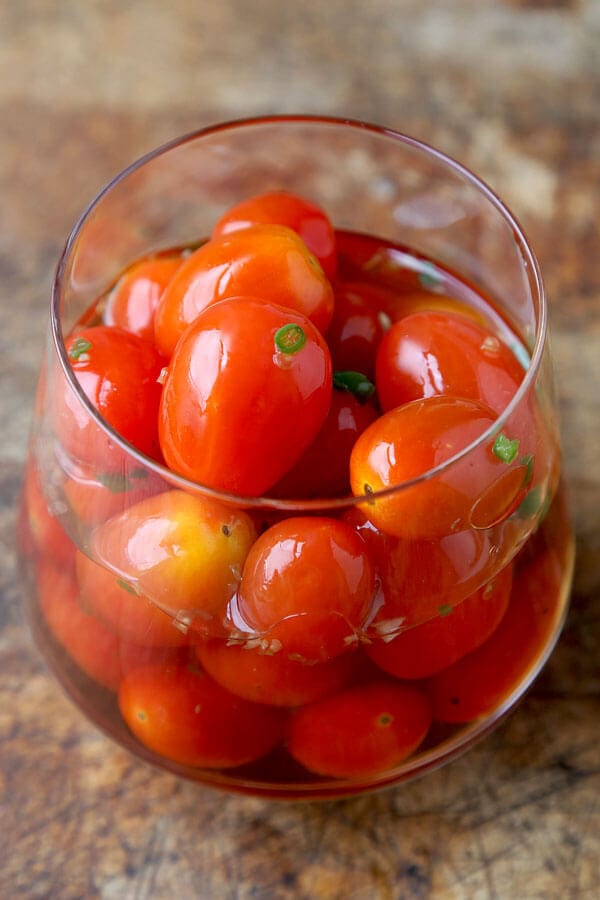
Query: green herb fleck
(290, 338)
(126, 586)
(355, 383)
(527, 461)
(505, 449)
(445, 609)
(80, 346)
(531, 504)
(429, 277)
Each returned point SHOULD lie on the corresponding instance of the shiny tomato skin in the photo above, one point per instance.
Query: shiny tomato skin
(409, 441)
(307, 587)
(428, 648)
(272, 678)
(236, 413)
(361, 731)
(182, 551)
(356, 329)
(118, 372)
(94, 497)
(307, 219)
(269, 262)
(180, 713)
(431, 353)
(323, 470)
(132, 302)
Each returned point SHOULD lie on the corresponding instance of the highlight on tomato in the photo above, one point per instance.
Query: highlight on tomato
(132, 302)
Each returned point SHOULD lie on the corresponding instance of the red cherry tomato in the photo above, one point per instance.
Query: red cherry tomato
(356, 329)
(477, 683)
(247, 390)
(430, 353)
(118, 372)
(432, 646)
(361, 731)
(183, 552)
(180, 713)
(417, 579)
(283, 208)
(117, 603)
(480, 490)
(307, 587)
(266, 261)
(132, 302)
(323, 470)
(93, 646)
(273, 678)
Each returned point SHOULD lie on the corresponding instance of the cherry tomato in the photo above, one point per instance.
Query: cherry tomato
(93, 646)
(247, 390)
(132, 302)
(118, 372)
(283, 208)
(418, 579)
(183, 552)
(269, 262)
(480, 490)
(323, 470)
(273, 678)
(356, 328)
(307, 586)
(361, 731)
(476, 684)
(431, 353)
(180, 713)
(400, 305)
(455, 631)
(117, 603)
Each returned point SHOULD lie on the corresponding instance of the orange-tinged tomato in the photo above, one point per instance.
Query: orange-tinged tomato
(432, 646)
(183, 552)
(307, 587)
(284, 208)
(431, 353)
(273, 678)
(180, 713)
(95, 497)
(48, 535)
(117, 603)
(480, 490)
(360, 731)
(132, 302)
(248, 389)
(269, 262)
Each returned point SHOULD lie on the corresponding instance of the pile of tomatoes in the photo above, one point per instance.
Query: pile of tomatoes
(271, 362)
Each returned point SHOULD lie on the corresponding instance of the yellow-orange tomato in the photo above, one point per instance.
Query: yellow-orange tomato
(184, 552)
(269, 262)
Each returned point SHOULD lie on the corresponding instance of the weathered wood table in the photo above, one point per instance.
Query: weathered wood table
(511, 88)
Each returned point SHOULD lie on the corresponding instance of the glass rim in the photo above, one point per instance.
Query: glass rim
(320, 503)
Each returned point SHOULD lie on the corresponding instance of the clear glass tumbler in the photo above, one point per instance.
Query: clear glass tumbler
(119, 553)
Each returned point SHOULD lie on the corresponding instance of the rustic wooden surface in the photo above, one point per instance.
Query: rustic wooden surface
(511, 88)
